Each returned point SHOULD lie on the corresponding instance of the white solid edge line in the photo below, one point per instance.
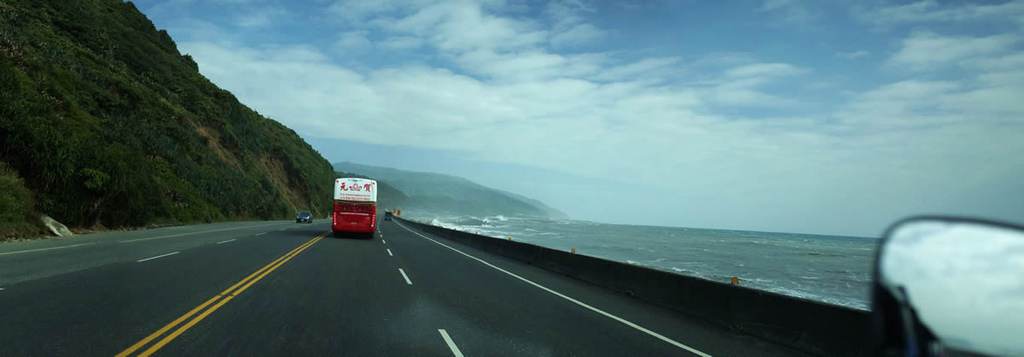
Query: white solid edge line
(229, 240)
(407, 281)
(577, 302)
(156, 257)
(42, 249)
(191, 233)
(389, 253)
(451, 344)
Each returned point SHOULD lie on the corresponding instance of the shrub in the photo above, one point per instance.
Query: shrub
(17, 208)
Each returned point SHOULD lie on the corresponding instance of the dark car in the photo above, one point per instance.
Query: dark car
(304, 216)
(387, 216)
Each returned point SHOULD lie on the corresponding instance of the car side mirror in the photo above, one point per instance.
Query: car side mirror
(949, 287)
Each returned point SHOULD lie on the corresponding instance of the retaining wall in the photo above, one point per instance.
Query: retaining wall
(811, 326)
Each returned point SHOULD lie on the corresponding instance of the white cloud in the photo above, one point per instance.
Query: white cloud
(926, 50)
(576, 35)
(654, 67)
(569, 26)
(764, 69)
(357, 11)
(293, 53)
(463, 26)
(261, 17)
(739, 86)
(531, 65)
(790, 11)
(567, 13)
(1001, 102)
(932, 11)
(770, 5)
(467, 26)
(1003, 78)
(470, 32)
(998, 63)
(853, 55)
(229, 2)
(469, 29)
(900, 104)
(401, 43)
(192, 28)
(820, 85)
(747, 97)
(353, 41)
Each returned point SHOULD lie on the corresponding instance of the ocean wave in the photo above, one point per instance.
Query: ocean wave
(471, 221)
(841, 271)
(443, 224)
(754, 242)
(824, 254)
(439, 223)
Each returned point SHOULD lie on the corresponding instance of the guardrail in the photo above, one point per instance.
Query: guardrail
(810, 326)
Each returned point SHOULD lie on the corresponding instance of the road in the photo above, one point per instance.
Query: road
(287, 289)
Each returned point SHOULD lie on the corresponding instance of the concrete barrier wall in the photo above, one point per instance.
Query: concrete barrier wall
(814, 327)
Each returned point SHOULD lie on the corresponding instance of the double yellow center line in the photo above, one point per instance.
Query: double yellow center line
(216, 301)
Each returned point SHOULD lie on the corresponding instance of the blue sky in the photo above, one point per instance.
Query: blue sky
(782, 115)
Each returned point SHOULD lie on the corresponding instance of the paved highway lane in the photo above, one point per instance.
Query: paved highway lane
(100, 310)
(291, 293)
(41, 258)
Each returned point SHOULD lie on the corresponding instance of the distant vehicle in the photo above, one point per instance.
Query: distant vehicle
(387, 216)
(355, 206)
(304, 216)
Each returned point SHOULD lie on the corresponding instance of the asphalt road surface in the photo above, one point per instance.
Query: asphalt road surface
(287, 289)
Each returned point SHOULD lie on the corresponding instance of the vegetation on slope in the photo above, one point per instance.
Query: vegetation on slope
(17, 212)
(109, 125)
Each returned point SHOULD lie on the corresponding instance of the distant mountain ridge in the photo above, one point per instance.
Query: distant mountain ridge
(446, 194)
(551, 212)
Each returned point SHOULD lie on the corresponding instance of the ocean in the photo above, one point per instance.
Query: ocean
(829, 269)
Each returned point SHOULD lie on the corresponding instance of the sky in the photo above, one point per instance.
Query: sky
(820, 117)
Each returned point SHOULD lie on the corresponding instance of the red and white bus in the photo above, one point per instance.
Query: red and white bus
(355, 206)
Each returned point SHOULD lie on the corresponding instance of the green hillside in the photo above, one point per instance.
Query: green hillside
(107, 124)
(438, 194)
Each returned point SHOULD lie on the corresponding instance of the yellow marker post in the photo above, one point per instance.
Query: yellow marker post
(574, 250)
(735, 280)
